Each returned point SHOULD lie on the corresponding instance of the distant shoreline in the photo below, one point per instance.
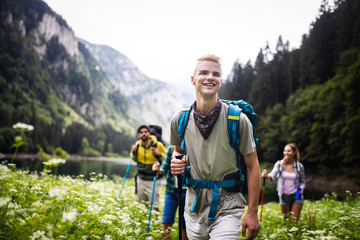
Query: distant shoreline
(7, 156)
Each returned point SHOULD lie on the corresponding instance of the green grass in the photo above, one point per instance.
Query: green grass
(327, 218)
(42, 206)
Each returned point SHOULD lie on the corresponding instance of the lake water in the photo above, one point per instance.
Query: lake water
(76, 167)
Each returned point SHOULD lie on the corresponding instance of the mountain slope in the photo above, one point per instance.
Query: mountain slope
(50, 80)
(150, 101)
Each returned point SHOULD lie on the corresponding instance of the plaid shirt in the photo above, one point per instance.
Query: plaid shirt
(165, 169)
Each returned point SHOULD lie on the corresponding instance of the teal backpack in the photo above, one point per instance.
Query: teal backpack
(235, 108)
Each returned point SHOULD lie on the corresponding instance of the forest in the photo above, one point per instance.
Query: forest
(308, 95)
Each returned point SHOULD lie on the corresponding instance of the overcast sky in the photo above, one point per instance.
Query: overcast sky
(165, 37)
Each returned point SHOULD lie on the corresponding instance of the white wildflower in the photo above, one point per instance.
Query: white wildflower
(54, 162)
(273, 236)
(69, 216)
(10, 213)
(328, 238)
(36, 188)
(39, 235)
(4, 169)
(37, 204)
(57, 192)
(108, 237)
(22, 221)
(11, 165)
(4, 201)
(23, 126)
(13, 190)
(107, 219)
(137, 231)
(343, 218)
(13, 205)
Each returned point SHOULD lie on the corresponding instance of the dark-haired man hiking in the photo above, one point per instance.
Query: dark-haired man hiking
(146, 152)
(211, 158)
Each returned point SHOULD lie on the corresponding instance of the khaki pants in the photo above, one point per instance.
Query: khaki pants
(145, 188)
(225, 227)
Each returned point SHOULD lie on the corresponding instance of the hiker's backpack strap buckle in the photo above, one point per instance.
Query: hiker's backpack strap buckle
(196, 183)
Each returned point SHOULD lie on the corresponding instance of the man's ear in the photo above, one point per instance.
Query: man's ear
(192, 80)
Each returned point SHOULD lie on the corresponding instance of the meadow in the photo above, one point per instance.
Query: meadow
(45, 206)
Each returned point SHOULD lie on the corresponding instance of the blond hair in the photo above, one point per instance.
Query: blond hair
(297, 155)
(207, 57)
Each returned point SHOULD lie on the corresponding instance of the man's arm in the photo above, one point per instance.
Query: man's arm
(251, 219)
(133, 149)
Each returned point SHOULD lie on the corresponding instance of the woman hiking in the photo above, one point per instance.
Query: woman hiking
(291, 181)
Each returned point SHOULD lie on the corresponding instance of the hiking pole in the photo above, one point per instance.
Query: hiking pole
(179, 185)
(262, 197)
(126, 174)
(151, 203)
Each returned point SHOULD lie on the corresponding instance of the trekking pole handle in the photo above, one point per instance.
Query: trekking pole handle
(179, 156)
(157, 163)
(156, 172)
(179, 177)
(264, 181)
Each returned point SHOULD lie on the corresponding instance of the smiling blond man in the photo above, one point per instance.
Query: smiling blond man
(211, 159)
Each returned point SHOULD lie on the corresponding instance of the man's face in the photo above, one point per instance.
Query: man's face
(207, 78)
(144, 134)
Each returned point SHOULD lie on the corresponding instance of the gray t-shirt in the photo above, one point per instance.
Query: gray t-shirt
(212, 159)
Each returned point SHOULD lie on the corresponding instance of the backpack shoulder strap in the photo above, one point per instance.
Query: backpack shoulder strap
(280, 169)
(183, 120)
(233, 130)
(233, 125)
(136, 152)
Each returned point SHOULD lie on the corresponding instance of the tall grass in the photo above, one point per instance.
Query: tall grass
(44, 206)
(327, 218)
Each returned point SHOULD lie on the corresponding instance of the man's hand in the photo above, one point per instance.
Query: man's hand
(134, 148)
(156, 167)
(156, 151)
(177, 165)
(251, 222)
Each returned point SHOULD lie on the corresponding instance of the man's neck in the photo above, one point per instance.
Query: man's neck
(145, 142)
(205, 105)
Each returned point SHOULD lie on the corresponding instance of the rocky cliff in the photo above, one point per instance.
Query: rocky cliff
(150, 101)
